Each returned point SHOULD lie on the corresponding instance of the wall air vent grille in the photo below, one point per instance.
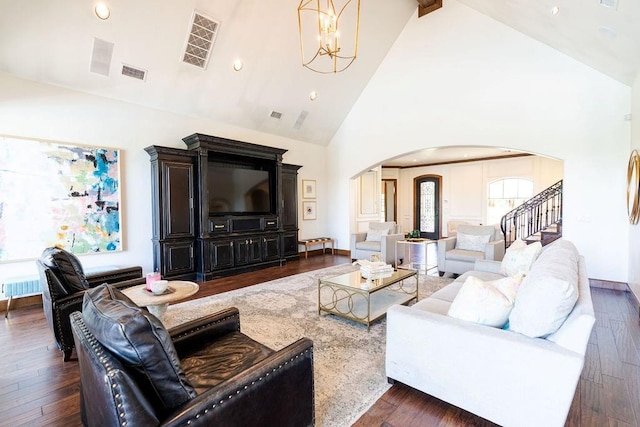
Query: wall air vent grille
(200, 40)
(136, 73)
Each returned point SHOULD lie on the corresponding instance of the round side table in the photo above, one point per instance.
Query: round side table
(157, 304)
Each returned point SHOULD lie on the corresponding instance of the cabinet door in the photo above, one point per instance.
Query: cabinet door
(247, 251)
(177, 200)
(290, 196)
(290, 244)
(178, 258)
(221, 254)
(255, 250)
(271, 245)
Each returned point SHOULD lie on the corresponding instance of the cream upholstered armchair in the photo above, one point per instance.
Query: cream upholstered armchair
(472, 242)
(380, 239)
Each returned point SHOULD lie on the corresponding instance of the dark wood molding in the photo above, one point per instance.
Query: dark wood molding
(428, 6)
(450, 162)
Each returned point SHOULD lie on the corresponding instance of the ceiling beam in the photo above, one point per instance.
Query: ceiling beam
(427, 6)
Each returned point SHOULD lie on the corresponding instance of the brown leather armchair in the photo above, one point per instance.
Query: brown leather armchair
(63, 285)
(135, 372)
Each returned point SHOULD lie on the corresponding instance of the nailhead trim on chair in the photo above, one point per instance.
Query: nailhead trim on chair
(246, 386)
(209, 324)
(97, 348)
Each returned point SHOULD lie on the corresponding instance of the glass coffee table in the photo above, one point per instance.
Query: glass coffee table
(364, 301)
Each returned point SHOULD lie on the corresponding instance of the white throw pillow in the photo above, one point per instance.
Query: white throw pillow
(472, 242)
(542, 305)
(519, 257)
(376, 235)
(484, 302)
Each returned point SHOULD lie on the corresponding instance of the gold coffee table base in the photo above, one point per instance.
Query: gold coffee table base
(350, 296)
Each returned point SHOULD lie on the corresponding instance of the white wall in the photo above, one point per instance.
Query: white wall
(465, 186)
(634, 230)
(34, 110)
(457, 77)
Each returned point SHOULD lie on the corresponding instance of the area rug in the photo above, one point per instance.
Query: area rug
(348, 360)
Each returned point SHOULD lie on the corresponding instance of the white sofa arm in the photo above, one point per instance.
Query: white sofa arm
(494, 250)
(487, 265)
(388, 247)
(500, 375)
(355, 238)
(445, 245)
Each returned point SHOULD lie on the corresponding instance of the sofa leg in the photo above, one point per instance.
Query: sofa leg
(391, 381)
(440, 273)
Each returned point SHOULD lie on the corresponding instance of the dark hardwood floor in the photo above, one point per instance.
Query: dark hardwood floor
(37, 388)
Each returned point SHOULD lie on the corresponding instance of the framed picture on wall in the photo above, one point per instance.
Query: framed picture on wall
(58, 194)
(308, 210)
(308, 189)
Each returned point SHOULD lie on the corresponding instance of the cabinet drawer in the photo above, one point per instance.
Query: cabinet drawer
(270, 223)
(218, 226)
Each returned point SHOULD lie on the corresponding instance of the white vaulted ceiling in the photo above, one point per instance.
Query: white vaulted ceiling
(51, 42)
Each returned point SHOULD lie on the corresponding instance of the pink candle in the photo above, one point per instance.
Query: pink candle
(152, 277)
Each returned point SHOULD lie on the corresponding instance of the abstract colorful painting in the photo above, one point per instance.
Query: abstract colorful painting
(57, 194)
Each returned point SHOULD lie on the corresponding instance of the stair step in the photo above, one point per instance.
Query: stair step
(544, 237)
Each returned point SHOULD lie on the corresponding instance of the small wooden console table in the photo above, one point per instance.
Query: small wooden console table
(317, 241)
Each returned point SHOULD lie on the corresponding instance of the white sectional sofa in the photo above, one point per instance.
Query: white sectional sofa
(504, 376)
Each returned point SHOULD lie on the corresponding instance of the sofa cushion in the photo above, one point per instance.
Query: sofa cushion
(472, 242)
(368, 246)
(433, 305)
(542, 305)
(519, 258)
(139, 340)
(388, 225)
(449, 292)
(463, 255)
(486, 303)
(376, 235)
(548, 293)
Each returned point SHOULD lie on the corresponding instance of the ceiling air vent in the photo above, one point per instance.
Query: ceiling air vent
(200, 40)
(612, 4)
(301, 117)
(101, 57)
(136, 73)
(276, 114)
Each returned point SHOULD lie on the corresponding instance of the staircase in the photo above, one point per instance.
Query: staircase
(539, 219)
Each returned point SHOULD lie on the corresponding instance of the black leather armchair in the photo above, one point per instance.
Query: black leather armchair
(135, 372)
(63, 285)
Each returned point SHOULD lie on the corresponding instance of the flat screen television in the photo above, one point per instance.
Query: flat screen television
(236, 189)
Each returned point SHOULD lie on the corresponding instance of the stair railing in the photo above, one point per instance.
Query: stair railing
(534, 215)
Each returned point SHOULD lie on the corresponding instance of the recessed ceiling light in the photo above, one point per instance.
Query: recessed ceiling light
(102, 10)
(237, 64)
(555, 10)
(313, 95)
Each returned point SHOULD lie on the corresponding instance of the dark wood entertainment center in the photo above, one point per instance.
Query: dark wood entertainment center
(198, 235)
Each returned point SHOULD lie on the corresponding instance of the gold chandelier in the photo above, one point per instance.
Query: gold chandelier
(330, 33)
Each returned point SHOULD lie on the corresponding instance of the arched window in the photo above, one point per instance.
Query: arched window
(505, 195)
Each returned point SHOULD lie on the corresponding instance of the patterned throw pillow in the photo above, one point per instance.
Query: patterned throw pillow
(486, 303)
(519, 257)
(376, 235)
(471, 242)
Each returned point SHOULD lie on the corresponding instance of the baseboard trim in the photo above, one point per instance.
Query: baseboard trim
(608, 284)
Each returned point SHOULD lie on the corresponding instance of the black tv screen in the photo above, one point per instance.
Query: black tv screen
(237, 189)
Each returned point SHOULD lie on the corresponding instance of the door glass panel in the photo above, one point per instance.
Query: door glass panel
(427, 206)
